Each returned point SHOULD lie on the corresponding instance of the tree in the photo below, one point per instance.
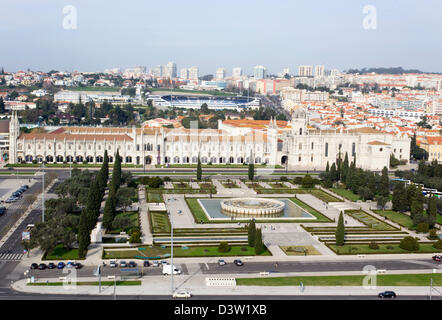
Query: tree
(340, 231)
(259, 245)
(199, 172)
(409, 243)
(307, 182)
(251, 233)
(83, 237)
(381, 201)
(135, 236)
(116, 173)
(109, 210)
(224, 247)
(432, 211)
(417, 207)
(384, 184)
(344, 168)
(121, 222)
(399, 197)
(2, 105)
(333, 172)
(124, 197)
(251, 171)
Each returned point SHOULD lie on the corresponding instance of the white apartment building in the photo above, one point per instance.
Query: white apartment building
(305, 71)
(260, 72)
(220, 73)
(237, 72)
(319, 71)
(193, 73)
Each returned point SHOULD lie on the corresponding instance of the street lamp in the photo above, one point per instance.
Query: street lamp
(43, 195)
(171, 252)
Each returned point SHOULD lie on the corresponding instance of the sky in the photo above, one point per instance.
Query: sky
(211, 34)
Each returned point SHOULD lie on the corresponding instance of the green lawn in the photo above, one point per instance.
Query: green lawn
(398, 217)
(156, 197)
(60, 253)
(370, 220)
(90, 283)
(320, 217)
(353, 280)
(322, 195)
(347, 194)
(383, 248)
(156, 252)
(132, 215)
(159, 222)
(197, 211)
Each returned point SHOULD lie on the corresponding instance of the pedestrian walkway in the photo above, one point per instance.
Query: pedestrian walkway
(146, 235)
(11, 256)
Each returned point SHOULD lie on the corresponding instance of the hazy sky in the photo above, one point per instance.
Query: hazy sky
(227, 33)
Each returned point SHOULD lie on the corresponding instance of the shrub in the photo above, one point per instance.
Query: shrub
(373, 245)
(297, 180)
(422, 227)
(409, 244)
(135, 237)
(390, 247)
(433, 234)
(438, 244)
(283, 178)
(223, 246)
(167, 179)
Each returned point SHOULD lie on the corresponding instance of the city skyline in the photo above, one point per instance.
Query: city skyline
(227, 35)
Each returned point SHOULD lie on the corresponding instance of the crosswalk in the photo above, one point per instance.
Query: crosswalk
(11, 256)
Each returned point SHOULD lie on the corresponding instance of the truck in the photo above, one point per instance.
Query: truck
(167, 270)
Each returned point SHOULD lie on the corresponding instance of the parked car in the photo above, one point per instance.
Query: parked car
(34, 266)
(51, 265)
(26, 187)
(132, 264)
(146, 263)
(387, 294)
(155, 264)
(113, 264)
(238, 262)
(70, 264)
(2, 210)
(123, 264)
(11, 199)
(221, 262)
(78, 265)
(60, 265)
(181, 294)
(42, 266)
(437, 258)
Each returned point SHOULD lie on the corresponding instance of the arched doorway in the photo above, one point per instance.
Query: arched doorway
(148, 160)
(284, 159)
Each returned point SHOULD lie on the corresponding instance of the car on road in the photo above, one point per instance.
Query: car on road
(34, 266)
(238, 262)
(387, 294)
(221, 262)
(132, 264)
(113, 264)
(181, 294)
(155, 264)
(51, 265)
(70, 264)
(2, 210)
(164, 263)
(123, 264)
(437, 258)
(78, 265)
(60, 265)
(11, 199)
(42, 266)
(146, 264)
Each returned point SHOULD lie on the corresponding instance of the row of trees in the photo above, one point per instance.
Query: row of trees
(410, 198)
(89, 214)
(255, 238)
(367, 184)
(428, 174)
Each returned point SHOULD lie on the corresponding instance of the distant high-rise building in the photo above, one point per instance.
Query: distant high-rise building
(158, 71)
(286, 71)
(319, 71)
(193, 73)
(259, 72)
(170, 70)
(305, 71)
(237, 72)
(334, 72)
(220, 73)
(184, 73)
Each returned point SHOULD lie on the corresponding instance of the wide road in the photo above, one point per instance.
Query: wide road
(257, 267)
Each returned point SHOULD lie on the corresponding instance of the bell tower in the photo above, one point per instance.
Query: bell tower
(299, 122)
(14, 131)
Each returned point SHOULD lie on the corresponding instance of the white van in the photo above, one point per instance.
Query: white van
(167, 269)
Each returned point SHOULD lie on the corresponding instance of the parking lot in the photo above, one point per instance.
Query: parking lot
(8, 186)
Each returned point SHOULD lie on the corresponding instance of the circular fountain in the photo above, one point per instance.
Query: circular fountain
(253, 206)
